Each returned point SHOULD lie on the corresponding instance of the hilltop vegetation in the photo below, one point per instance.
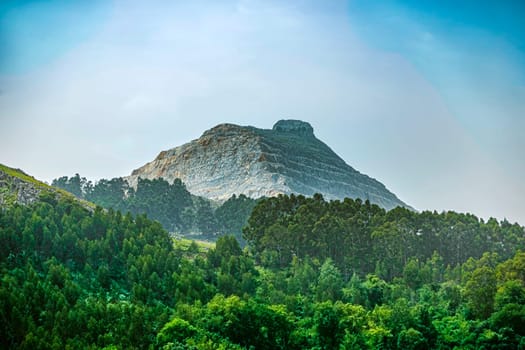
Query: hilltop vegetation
(72, 278)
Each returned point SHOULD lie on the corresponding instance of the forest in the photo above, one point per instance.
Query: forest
(170, 204)
(314, 275)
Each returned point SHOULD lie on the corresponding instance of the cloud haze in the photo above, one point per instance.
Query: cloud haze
(143, 77)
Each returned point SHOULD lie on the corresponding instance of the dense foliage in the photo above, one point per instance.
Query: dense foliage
(72, 278)
(363, 238)
(170, 204)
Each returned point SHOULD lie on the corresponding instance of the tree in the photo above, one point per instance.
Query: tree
(330, 282)
(176, 331)
(326, 319)
(411, 339)
(205, 218)
(233, 215)
(480, 291)
(453, 332)
(376, 290)
(227, 246)
(75, 185)
(510, 292)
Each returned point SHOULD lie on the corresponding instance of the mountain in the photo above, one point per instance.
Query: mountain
(231, 159)
(17, 187)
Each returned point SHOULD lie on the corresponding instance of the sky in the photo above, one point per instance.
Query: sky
(427, 97)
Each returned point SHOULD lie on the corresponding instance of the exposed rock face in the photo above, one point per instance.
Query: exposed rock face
(230, 159)
(15, 190)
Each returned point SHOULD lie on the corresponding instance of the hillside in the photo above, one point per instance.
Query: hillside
(17, 187)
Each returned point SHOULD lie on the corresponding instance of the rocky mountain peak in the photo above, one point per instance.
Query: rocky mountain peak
(293, 126)
(230, 159)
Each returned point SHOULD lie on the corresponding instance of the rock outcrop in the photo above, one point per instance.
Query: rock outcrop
(231, 159)
(17, 187)
(15, 190)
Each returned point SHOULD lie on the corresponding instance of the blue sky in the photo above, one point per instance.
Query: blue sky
(34, 33)
(427, 97)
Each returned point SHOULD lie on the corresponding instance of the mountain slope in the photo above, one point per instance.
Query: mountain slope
(230, 159)
(18, 187)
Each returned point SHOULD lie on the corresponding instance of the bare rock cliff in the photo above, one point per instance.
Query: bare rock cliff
(230, 159)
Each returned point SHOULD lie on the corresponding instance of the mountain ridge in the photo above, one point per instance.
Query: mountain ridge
(231, 159)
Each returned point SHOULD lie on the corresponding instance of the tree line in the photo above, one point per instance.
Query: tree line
(168, 203)
(362, 238)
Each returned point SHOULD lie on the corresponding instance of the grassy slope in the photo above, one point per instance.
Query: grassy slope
(17, 173)
(22, 176)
